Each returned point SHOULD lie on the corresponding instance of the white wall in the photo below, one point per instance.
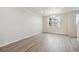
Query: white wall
(72, 29)
(78, 32)
(18, 23)
(67, 24)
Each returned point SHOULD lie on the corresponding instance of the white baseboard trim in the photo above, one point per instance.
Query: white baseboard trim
(61, 34)
(18, 39)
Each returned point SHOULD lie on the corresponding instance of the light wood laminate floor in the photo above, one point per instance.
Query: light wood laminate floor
(44, 43)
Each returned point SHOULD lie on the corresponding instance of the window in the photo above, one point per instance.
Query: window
(77, 18)
(54, 21)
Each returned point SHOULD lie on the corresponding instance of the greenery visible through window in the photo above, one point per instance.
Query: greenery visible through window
(54, 21)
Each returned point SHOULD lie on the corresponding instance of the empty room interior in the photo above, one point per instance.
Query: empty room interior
(39, 29)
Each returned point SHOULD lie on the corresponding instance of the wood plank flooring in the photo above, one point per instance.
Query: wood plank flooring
(44, 43)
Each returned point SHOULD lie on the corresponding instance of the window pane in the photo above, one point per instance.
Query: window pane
(54, 21)
(77, 18)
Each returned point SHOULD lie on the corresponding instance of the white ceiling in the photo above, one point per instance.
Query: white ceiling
(46, 11)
